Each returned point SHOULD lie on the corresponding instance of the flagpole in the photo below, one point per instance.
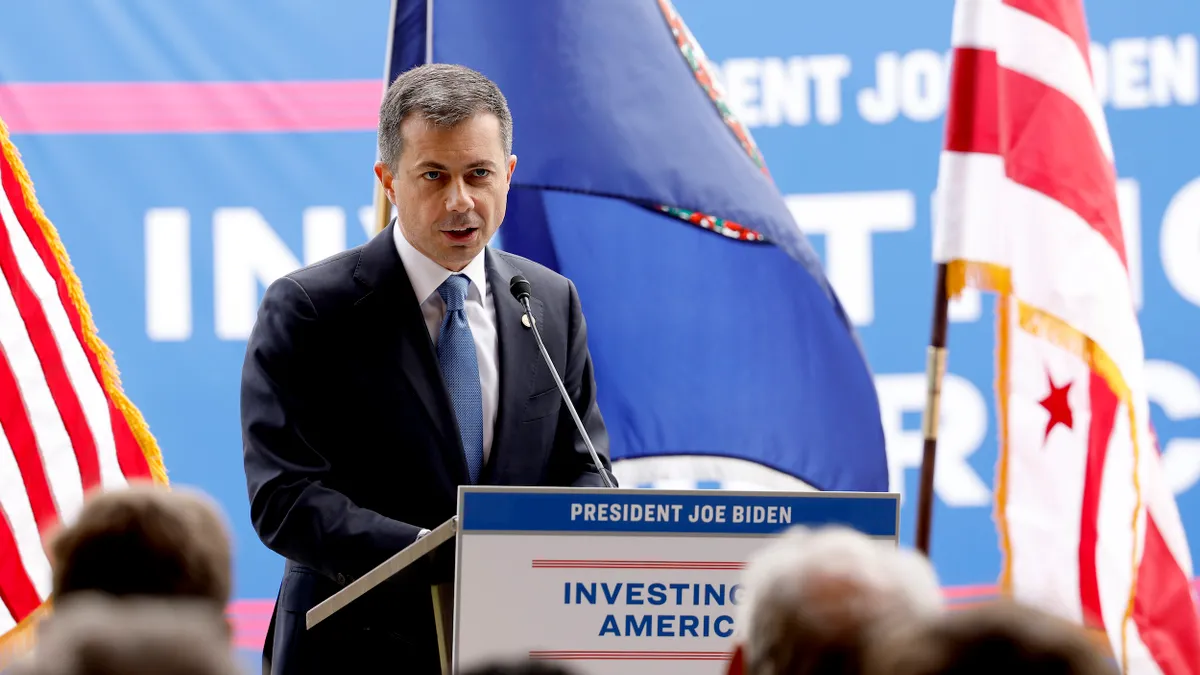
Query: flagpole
(383, 208)
(935, 369)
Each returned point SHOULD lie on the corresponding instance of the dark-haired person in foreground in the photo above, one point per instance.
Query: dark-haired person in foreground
(145, 541)
(520, 668)
(94, 634)
(1003, 637)
(140, 544)
(378, 381)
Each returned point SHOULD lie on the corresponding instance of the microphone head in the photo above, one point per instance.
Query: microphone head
(519, 287)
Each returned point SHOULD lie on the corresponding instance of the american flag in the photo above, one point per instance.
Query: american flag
(1028, 209)
(66, 428)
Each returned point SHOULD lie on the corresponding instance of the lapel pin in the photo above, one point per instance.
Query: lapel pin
(525, 320)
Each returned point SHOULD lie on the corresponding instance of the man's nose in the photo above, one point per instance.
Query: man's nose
(458, 200)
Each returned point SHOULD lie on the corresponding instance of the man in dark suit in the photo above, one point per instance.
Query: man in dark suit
(378, 381)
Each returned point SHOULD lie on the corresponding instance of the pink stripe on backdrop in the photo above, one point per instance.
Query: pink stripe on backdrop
(190, 107)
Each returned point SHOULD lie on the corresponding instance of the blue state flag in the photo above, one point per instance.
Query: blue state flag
(723, 357)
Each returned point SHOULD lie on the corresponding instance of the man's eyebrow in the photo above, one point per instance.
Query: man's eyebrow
(478, 164)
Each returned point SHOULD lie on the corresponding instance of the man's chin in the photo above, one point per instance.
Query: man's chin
(455, 258)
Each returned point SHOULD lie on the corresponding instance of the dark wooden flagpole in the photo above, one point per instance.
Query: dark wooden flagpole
(935, 369)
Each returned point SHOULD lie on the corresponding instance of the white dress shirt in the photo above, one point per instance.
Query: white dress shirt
(426, 276)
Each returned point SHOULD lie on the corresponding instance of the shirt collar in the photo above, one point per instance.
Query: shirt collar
(426, 276)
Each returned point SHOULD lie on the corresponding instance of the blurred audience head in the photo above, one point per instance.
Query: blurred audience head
(95, 634)
(145, 541)
(519, 667)
(811, 596)
(995, 638)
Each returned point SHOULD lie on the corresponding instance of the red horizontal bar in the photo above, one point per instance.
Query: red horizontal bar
(637, 564)
(620, 655)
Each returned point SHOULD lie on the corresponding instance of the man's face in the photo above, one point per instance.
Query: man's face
(450, 187)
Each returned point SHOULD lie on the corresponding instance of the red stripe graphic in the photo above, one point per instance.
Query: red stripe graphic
(620, 655)
(637, 565)
(1163, 610)
(1065, 15)
(1049, 146)
(129, 454)
(14, 419)
(53, 369)
(1103, 403)
(968, 592)
(16, 590)
(190, 107)
(972, 123)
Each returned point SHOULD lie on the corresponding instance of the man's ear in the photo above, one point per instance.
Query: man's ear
(512, 165)
(384, 173)
(737, 662)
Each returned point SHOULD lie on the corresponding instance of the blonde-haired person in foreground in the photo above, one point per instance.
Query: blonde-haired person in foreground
(812, 597)
(95, 634)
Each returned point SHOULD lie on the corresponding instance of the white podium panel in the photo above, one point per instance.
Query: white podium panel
(623, 581)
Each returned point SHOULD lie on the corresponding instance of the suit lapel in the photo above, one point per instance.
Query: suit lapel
(393, 318)
(519, 361)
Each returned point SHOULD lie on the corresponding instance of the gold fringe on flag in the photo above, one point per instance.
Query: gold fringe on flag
(961, 274)
(21, 637)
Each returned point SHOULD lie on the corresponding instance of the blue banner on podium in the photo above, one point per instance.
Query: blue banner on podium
(687, 512)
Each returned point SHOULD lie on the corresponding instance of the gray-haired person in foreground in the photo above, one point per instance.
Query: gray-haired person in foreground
(813, 598)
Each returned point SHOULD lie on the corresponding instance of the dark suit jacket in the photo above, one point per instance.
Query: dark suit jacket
(351, 446)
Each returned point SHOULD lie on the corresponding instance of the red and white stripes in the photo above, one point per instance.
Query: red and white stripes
(65, 427)
(1029, 210)
(1028, 158)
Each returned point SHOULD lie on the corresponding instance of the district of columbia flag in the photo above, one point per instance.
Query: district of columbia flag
(66, 427)
(1028, 209)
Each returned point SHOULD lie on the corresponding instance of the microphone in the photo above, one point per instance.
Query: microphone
(520, 289)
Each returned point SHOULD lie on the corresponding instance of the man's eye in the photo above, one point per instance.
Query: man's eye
(432, 175)
(482, 173)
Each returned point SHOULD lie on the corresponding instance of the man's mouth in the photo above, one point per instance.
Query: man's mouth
(460, 233)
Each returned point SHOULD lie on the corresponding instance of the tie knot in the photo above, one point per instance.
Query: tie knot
(454, 292)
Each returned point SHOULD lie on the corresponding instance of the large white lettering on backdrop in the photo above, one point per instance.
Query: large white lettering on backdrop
(248, 254)
(1130, 73)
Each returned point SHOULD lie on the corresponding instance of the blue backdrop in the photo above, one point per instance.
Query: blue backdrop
(175, 233)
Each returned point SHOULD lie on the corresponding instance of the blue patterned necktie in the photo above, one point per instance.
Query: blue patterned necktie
(460, 371)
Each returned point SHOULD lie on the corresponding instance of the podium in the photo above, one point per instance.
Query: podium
(605, 580)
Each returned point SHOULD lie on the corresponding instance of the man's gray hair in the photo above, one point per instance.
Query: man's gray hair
(811, 595)
(445, 95)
